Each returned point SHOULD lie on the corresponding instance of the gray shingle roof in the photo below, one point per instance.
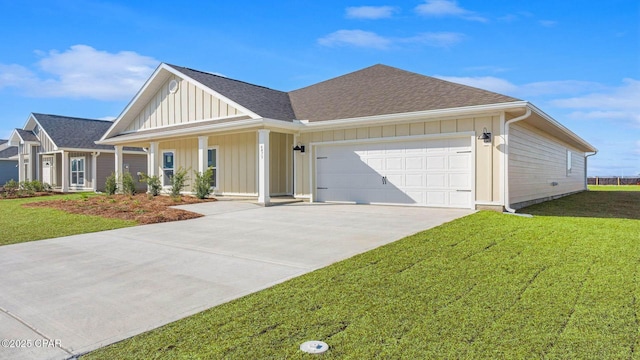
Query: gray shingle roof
(27, 135)
(261, 100)
(70, 132)
(2, 141)
(381, 90)
(9, 152)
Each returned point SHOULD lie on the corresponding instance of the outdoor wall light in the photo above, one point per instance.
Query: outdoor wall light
(486, 136)
(299, 147)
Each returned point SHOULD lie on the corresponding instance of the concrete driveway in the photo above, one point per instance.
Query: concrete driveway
(67, 296)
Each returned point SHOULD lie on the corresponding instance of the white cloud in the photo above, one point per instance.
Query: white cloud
(441, 8)
(359, 38)
(548, 23)
(437, 39)
(617, 103)
(540, 88)
(81, 72)
(368, 39)
(370, 12)
(490, 83)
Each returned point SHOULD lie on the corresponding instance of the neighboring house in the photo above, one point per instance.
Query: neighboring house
(8, 162)
(61, 151)
(379, 135)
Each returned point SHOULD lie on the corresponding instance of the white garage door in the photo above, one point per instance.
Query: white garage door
(423, 173)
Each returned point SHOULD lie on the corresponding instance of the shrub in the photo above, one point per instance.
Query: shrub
(11, 188)
(111, 185)
(128, 184)
(178, 182)
(203, 183)
(153, 183)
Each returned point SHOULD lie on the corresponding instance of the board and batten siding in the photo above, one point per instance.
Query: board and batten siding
(188, 104)
(106, 165)
(236, 161)
(280, 161)
(46, 145)
(537, 161)
(487, 156)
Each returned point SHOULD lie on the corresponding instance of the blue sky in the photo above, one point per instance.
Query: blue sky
(578, 61)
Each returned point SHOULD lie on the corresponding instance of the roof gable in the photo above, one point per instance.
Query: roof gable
(382, 90)
(265, 102)
(73, 133)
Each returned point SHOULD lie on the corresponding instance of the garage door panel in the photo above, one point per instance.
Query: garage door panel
(460, 199)
(414, 163)
(459, 181)
(394, 163)
(459, 162)
(427, 172)
(436, 162)
(436, 180)
(415, 180)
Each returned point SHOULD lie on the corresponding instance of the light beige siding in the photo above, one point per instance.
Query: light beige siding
(487, 156)
(537, 161)
(236, 161)
(188, 104)
(280, 176)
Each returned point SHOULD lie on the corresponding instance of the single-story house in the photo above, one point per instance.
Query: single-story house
(61, 151)
(380, 135)
(8, 162)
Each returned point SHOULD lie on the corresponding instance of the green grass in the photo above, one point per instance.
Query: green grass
(614, 187)
(487, 286)
(22, 224)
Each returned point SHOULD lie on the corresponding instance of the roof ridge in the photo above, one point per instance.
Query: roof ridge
(71, 117)
(224, 77)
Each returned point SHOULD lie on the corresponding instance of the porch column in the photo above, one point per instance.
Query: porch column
(263, 167)
(118, 166)
(65, 171)
(203, 144)
(21, 174)
(94, 170)
(152, 158)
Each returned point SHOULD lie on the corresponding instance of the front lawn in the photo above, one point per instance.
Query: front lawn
(19, 223)
(482, 287)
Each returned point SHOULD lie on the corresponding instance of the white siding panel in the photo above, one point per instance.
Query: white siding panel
(537, 162)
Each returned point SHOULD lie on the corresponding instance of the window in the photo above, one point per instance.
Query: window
(212, 163)
(168, 165)
(568, 162)
(77, 171)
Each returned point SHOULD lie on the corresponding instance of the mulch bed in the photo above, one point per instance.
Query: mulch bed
(141, 208)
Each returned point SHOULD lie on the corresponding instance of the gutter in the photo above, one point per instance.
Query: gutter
(586, 182)
(507, 203)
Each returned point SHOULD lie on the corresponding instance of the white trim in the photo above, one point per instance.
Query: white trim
(169, 127)
(264, 152)
(236, 194)
(217, 167)
(502, 156)
(129, 152)
(507, 205)
(94, 169)
(84, 171)
(396, 139)
(417, 115)
(173, 153)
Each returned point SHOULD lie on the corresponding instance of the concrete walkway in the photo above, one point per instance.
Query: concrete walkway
(66, 296)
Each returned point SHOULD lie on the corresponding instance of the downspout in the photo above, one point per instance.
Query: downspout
(507, 203)
(586, 181)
